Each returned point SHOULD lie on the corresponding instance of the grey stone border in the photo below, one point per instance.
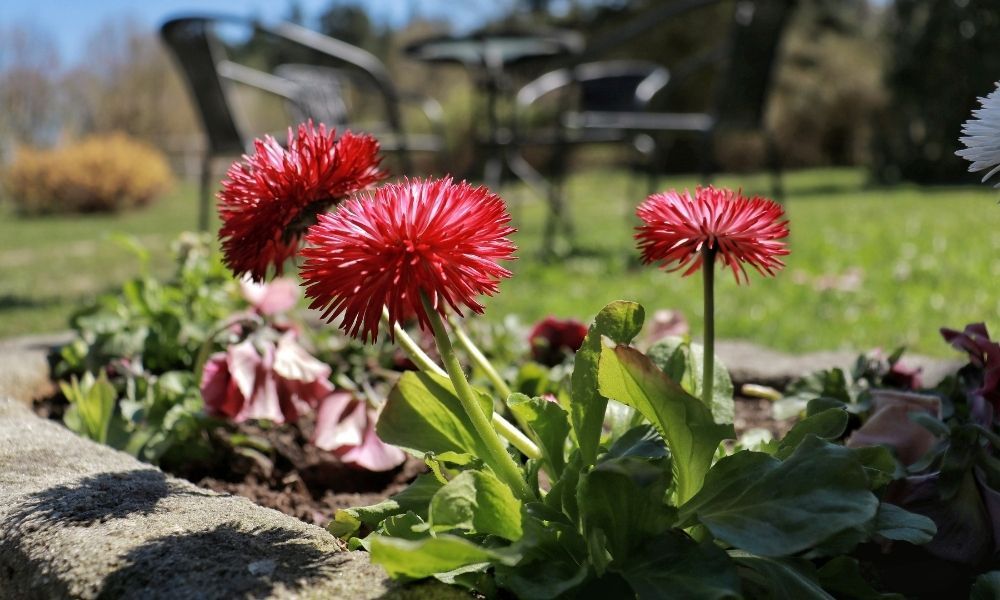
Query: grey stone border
(80, 520)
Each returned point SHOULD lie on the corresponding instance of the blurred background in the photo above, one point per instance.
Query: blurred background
(102, 145)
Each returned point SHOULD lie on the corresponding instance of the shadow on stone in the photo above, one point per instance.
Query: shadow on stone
(224, 562)
(99, 498)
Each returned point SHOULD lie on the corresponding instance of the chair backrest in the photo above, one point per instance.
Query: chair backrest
(618, 85)
(757, 29)
(210, 73)
(198, 52)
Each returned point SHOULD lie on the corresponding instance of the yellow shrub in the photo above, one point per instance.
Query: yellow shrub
(103, 173)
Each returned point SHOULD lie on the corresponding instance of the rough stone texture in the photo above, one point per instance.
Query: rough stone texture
(24, 366)
(80, 520)
(749, 363)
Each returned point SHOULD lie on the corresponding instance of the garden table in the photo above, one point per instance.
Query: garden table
(487, 57)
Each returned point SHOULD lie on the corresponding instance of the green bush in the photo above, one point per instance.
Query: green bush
(105, 173)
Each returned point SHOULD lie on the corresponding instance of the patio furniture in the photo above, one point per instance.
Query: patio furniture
(598, 115)
(313, 75)
(488, 57)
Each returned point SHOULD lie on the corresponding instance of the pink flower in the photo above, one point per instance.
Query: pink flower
(278, 385)
(435, 238)
(666, 323)
(278, 296)
(554, 339)
(345, 425)
(741, 230)
(270, 198)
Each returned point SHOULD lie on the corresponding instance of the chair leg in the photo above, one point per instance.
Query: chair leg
(774, 164)
(204, 192)
(707, 157)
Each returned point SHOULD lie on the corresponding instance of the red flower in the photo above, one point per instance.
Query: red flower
(740, 229)
(983, 353)
(439, 238)
(269, 199)
(553, 339)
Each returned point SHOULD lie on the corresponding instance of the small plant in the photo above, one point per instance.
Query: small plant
(105, 173)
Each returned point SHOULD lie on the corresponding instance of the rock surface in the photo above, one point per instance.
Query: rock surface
(749, 363)
(24, 365)
(80, 520)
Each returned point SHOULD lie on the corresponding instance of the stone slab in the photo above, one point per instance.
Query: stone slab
(81, 520)
(24, 365)
(749, 363)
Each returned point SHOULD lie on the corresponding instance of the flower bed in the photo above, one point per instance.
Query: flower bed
(609, 464)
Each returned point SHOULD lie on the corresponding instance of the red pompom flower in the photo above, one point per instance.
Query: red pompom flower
(270, 198)
(432, 237)
(741, 230)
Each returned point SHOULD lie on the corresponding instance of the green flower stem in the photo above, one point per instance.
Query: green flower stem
(424, 363)
(477, 357)
(497, 458)
(514, 435)
(708, 362)
(412, 349)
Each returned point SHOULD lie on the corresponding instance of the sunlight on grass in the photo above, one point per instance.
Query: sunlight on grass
(869, 266)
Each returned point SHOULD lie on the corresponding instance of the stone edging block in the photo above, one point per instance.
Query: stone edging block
(81, 520)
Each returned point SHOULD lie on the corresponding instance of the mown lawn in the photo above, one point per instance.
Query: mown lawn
(869, 266)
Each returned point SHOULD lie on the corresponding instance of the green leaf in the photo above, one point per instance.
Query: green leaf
(842, 576)
(684, 422)
(772, 508)
(407, 526)
(439, 554)
(549, 422)
(783, 578)
(829, 425)
(673, 566)
(478, 502)
(684, 362)
(416, 498)
(880, 465)
(621, 321)
(986, 587)
(423, 414)
(562, 494)
(895, 523)
(92, 406)
(623, 501)
(554, 561)
(642, 441)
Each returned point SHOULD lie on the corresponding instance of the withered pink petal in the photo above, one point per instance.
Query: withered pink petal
(278, 296)
(340, 421)
(374, 454)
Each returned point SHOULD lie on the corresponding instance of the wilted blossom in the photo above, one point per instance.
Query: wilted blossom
(666, 323)
(277, 382)
(275, 297)
(890, 424)
(345, 425)
(983, 354)
(553, 339)
(902, 376)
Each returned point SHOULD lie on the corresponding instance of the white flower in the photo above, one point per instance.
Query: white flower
(981, 136)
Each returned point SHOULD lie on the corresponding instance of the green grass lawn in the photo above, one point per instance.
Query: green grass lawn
(868, 266)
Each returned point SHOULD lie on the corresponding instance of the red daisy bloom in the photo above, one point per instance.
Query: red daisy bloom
(439, 238)
(741, 230)
(269, 198)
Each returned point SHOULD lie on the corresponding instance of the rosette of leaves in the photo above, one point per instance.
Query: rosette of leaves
(657, 509)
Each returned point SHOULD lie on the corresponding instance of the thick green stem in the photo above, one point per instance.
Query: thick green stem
(424, 363)
(479, 358)
(497, 458)
(708, 361)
